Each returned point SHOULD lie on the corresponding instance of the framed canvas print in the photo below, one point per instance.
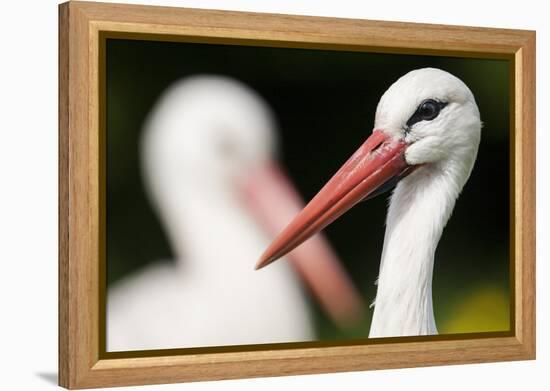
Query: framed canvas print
(247, 195)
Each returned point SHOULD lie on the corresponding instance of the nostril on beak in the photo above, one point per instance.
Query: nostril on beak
(377, 146)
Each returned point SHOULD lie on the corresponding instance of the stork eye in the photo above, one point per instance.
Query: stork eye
(426, 111)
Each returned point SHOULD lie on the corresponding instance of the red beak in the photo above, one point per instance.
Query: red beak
(274, 201)
(378, 161)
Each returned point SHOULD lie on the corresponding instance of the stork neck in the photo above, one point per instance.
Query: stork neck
(419, 209)
(206, 227)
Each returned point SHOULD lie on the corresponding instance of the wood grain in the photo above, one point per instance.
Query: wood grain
(64, 354)
(82, 26)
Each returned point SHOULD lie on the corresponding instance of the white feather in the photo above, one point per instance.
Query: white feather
(211, 296)
(446, 149)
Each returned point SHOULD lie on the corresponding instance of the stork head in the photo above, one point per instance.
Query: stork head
(204, 133)
(428, 117)
(434, 113)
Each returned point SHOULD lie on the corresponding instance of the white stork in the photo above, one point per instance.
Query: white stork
(207, 155)
(425, 141)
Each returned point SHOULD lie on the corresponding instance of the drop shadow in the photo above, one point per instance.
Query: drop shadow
(49, 377)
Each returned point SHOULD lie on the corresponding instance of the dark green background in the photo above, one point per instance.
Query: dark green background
(325, 103)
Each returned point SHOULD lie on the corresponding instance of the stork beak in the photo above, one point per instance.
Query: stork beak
(379, 161)
(274, 202)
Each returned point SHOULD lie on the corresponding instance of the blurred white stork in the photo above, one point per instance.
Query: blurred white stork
(425, 141)
(208, 166)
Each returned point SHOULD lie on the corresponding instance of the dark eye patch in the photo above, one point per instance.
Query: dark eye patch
(426, 111)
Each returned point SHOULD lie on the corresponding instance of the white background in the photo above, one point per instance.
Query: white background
(28, 194)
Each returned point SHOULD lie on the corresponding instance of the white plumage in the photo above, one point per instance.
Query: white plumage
(426, 136)
(446, 148)
(203, 134)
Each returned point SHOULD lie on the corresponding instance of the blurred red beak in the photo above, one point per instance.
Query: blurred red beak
(378, 161)
(274, 201)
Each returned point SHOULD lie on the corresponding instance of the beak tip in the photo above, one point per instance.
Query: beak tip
(268, 257)
(263, 262)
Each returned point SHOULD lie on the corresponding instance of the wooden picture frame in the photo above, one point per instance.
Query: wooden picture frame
(83, 362)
